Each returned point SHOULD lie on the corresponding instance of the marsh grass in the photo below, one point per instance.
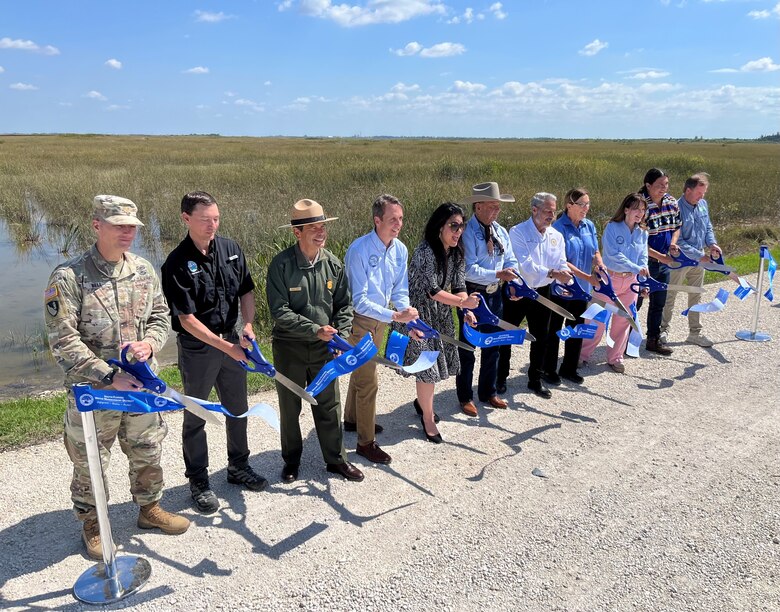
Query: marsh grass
(256, 180)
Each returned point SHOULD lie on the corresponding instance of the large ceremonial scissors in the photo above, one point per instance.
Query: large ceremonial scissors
(485, 316)
(572, 291)
(427, 331)
(652, 285)
(337, 343)
(605, 288)
(260, 364)
(519, 288)
(683, 261)
(143, 373)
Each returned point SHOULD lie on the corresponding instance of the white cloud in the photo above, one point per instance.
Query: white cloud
(467, 87)
(27, 45)
(445, 49)
(250, 105)
(207, 17)
(767, 13)
(2, 70)
(404, 88)
(649, 74)
(370, 12)
(410, 49)
(285, 4)
(95, 95)
(22, 87)
(267, 83)
(593, 47)
(231, 94)
(497, 9)
(196, 70)
(724, 70)
(114, 63)
(117, 107)
(765, 64)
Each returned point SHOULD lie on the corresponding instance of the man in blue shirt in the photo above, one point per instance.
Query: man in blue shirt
(489, 264)
(377, 271)
(697, 241)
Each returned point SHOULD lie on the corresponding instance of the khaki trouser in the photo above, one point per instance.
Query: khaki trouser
(693, 277)
(360, 407)
(140, 437)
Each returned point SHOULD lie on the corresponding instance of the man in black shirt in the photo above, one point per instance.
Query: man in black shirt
(206, 282)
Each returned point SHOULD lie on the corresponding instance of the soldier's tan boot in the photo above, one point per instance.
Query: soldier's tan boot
(153, 516)
(90, 533)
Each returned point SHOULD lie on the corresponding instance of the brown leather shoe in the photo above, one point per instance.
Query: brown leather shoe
(654, 345)
(347, 470)
(497, 402)
(373, 453)
(469, 408)
(152, 516)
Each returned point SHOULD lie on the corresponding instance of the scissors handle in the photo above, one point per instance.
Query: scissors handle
(141, 370)
(337, 343)
(483, 314)
(255, 361)
(684, 261)
(649, 283)
(569, 292)
(605, 287)
(519, 288)
(423, 328)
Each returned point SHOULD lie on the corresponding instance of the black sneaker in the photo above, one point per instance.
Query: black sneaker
(204, 498)
(551, 378)
(246, 476)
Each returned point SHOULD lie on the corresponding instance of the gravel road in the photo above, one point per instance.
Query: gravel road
(659, 491)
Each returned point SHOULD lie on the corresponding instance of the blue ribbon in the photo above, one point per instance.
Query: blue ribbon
(345, 363)
(582, 331)
(716, 305)
(89, 399)
(396, 351)
(771, 269)
(478, 339)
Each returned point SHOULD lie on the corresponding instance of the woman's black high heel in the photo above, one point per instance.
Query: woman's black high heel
(435, 439)
(419, 411)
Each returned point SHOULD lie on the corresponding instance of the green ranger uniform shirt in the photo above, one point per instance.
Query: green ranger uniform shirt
(302, 296)
(92, 306)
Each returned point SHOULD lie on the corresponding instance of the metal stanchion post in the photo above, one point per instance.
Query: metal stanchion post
(753, 335)
(116, 577)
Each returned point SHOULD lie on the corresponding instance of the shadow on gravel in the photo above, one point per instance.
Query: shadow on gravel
(665, 383)
(34, 603)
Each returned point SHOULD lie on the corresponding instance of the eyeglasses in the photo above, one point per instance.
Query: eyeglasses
(582, 205)
(456, 227)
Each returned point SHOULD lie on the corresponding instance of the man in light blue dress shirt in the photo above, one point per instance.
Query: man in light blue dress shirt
(489, 264)
(377, 271)
(697, 241)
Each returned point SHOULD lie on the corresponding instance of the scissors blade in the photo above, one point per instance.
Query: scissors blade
(555, 308)
(716, 267)
(619, 303)
(386, 362)
(509, 327)
(685, 288)
(286, 382)
(454, 342)
(192, 406)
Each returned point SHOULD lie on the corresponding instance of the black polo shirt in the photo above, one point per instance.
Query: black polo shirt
(207, 286)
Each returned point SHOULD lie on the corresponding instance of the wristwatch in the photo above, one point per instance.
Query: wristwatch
(108, 379)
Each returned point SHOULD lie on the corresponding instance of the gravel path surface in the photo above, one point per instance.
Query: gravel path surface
(660, 491)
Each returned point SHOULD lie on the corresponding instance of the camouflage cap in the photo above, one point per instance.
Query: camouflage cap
(116, 210)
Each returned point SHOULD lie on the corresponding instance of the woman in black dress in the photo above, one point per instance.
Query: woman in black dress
(437, 282)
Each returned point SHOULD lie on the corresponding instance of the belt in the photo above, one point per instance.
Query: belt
(491, 288)
(620, 274)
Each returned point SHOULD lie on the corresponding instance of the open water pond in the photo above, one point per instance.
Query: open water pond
(26, 365)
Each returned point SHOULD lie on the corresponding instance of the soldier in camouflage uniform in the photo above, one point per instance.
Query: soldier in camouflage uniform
(95, 305)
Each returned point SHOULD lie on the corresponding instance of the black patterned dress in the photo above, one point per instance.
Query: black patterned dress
(424, 281)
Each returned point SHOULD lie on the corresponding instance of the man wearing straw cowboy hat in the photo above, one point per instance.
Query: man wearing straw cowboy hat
(309, 299)
(95, 305)
(489, 263)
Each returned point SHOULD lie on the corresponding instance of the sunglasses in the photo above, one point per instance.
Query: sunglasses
(456, 227)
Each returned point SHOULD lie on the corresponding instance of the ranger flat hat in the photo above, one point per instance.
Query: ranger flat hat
(306, 212)
(486, 192)
(116, 210)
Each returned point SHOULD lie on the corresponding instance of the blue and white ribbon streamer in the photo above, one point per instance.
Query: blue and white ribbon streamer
(770, 271)
(583, 331)
(744, 289)
(602, 314)
(635, 337)
(345, 363)
(480, 340)
(395, 351)
(89, 399)
(716, 305)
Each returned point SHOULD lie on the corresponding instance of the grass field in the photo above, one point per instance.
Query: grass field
(256, 180)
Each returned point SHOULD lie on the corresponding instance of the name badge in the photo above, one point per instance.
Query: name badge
(232, 257)
(295, 288)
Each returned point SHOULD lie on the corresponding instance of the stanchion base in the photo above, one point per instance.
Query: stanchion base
(749, 336)
(94, 587)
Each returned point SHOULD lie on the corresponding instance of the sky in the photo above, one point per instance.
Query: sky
(438, 68)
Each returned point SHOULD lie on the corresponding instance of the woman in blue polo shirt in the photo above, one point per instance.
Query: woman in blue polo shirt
(582, 255)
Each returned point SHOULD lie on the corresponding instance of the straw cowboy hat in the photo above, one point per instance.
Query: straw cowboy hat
(306, 212)
(486, 192)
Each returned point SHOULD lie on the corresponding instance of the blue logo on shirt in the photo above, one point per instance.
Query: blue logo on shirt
(620, 239)
(192, 267)
(373, 261)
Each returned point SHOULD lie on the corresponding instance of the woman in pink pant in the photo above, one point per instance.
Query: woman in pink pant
(624, 251)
